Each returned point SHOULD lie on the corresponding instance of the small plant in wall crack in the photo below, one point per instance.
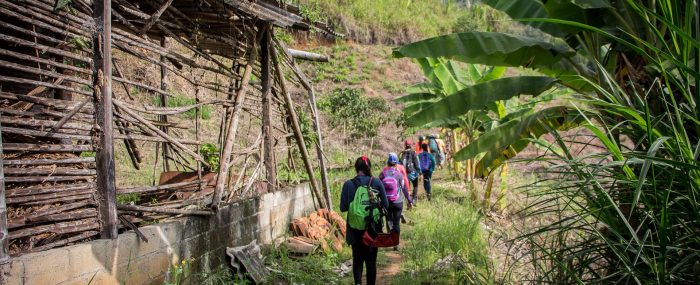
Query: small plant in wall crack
(178, 272)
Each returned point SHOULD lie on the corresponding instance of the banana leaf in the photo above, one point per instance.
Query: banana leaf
(495, 49)
(479, 96)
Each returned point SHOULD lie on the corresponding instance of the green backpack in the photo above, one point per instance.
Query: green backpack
(363, 205)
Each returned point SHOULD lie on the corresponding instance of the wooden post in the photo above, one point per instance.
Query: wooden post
(298, 135)
(164, 103)
(4, 234)
(268, 139)
(317, 128)
(104, 147)
(224, 164)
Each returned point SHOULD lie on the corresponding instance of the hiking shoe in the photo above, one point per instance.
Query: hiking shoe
(396, 248)
(403, 220)
(428, 197)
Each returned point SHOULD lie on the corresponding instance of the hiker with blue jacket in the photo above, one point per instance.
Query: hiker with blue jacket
(361, 197)
(427, 166)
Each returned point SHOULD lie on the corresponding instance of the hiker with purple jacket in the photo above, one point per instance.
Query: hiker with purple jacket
(396, 186)
(427, 166)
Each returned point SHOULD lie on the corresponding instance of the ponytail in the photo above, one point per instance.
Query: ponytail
(364, 165)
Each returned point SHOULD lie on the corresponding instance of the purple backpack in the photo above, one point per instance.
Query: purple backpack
(392, 185)
(425, 162)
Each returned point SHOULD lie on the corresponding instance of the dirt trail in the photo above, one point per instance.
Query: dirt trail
(386, 273)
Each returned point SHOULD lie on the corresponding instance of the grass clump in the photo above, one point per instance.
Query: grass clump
(180, 100)
(312, 269)
(445, 243)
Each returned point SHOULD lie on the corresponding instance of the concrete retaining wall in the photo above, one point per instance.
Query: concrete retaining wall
(202, 240)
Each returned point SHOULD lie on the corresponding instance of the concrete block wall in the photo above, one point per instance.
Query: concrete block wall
(202, 240)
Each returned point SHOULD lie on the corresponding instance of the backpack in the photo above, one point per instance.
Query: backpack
(392, 183)
(424, 159)
(364, 206)
(408, 162)
(433, 145)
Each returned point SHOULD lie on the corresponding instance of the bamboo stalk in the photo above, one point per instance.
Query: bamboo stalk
(22, 147)
(233, 126)
(4, 242)
(77, 160)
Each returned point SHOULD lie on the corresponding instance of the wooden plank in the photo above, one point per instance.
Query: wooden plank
(268, 135)
(102, 88)
(58, 228)
(77, 160)
(154, 17)
(4, 241)
(49, 171)
(21, 147)
(134, 208)
(173, 186)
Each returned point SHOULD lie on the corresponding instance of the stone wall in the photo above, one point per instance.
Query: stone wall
(201, 240)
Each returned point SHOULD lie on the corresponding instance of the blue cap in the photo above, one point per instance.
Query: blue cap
(393, 158)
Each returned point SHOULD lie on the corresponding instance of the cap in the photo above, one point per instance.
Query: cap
(408, 143)
(393, 159)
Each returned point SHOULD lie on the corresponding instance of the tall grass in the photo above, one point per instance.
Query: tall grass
(446, 242)
(625, 190)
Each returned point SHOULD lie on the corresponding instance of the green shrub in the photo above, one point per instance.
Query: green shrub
(360, 114)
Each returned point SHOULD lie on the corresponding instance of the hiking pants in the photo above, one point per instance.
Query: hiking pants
(364, 255)
(394, 217)
(427, 176)
(415, 188)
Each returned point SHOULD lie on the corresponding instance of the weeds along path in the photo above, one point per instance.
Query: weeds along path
(443, 241)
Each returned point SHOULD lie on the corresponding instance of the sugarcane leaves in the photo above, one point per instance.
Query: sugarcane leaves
(526, 9)
(479, 96)
(493, 49)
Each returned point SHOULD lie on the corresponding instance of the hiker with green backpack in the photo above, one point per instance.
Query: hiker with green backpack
(363, 197)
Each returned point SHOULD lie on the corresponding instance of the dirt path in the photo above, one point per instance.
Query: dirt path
(386, 273)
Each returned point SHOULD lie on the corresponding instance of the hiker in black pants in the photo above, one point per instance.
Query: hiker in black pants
(409, 160)
(427, 166)
(362, 254)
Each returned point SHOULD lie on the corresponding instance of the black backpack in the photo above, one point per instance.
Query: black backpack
(408, 159)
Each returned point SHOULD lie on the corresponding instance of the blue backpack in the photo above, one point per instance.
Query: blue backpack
(424, 159)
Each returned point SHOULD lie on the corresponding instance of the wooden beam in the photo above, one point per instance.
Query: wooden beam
(317, 126)
(154, 17)
(222, 178)
(268, 136)
(297, 132)
(102, 85)
(4, 240)
(305, 55)
(163, 98)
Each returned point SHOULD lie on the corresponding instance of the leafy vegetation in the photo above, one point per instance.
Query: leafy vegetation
(361, 115)
(210, 153)
(313, 269)
(627, 206)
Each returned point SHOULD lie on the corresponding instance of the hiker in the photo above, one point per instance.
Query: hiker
(395, 182)
(421, 140)
(409, 160)
(434, 148)
(427, 166)
(443, 149)
(357, 198)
